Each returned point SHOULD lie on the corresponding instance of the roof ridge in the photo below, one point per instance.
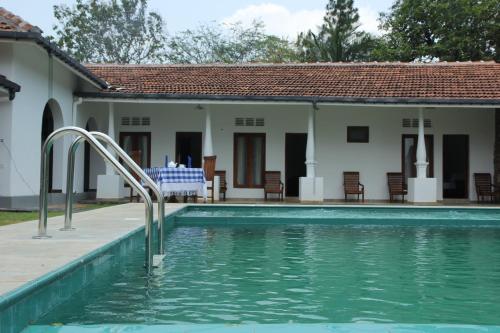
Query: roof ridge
(15, 22)
(295, 64)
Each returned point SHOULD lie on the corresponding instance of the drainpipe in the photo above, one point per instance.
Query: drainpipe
(76, 102)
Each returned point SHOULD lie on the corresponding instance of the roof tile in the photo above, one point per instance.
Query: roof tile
(12, 22)
(464, 80)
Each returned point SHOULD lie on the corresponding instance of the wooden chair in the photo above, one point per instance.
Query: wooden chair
(223, 183)
(273, 184)
(397, 186)
(484, 187)
(352, 185)
(209, 168)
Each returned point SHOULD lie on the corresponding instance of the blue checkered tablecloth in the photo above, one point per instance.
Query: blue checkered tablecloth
(179, 181)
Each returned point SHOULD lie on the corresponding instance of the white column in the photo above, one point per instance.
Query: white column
(110, 185)
(422, 189)
(208, 149)
(421, 163)
(310, 147)
(311, 187)
(111, 134)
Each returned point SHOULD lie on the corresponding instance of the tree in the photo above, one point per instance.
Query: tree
(452, 30)
(230, 43)
(339, 38)
(115, 31)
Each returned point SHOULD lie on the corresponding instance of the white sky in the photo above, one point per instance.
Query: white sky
(284, 18)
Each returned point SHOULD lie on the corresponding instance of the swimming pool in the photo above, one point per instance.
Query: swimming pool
(401, 267)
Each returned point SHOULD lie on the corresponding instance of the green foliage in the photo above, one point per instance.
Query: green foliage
(232, 43)
(339, 38)
(115, 31)
(451, 30)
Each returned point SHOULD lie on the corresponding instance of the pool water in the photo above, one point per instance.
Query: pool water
(302, 273)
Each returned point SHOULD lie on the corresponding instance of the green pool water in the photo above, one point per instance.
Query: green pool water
(302, 273)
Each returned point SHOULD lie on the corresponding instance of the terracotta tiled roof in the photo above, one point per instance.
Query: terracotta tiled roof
(11, 22)
(462, 81)
(15, 28)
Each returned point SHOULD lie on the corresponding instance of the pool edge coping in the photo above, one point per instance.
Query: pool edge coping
(17, 294)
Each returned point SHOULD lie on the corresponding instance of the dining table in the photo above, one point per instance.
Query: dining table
(182, 182)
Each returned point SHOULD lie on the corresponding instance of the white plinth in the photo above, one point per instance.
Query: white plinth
(216, 188)
(422, 190)
(109, 187)
(311, 189)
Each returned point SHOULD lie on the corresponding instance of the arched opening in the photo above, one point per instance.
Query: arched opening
(47, 128)
(51, 120)
(90, 159)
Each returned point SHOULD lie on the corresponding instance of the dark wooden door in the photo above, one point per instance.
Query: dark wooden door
(295, 158)
(456, 166)
(188, 144)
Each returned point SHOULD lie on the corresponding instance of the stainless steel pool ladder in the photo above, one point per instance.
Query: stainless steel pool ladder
(128, 161)
(44, 184)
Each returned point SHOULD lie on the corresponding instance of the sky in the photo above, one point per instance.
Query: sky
(284, 18)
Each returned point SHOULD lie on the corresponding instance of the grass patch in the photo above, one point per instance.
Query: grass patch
(7, 218)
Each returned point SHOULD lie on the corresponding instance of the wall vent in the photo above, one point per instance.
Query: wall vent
(136, 121)
(249, 122)
(125, 121)
(407, 122)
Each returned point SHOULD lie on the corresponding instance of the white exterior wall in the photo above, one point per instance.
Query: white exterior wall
(42, 80)
(383, 153)
(31, 71)
(5, 123)
(334, 155)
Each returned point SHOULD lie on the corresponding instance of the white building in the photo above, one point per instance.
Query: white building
(306, 120)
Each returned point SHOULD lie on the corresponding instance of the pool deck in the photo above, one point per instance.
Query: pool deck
(24, 259)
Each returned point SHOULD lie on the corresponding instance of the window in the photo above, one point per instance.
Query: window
(358, 134)
(249, 159)
(138, 146)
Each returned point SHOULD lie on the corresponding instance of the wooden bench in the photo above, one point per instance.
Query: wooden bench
(209, 169)
(397, 186)
(352, 186)
(485, 188)
(273, 184)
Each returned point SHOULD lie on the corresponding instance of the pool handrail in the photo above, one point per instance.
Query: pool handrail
(94, 143)
(129, 162)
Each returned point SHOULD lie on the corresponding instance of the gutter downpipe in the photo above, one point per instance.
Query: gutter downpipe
(76, 102)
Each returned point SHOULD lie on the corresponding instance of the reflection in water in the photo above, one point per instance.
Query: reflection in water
(303, 274)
